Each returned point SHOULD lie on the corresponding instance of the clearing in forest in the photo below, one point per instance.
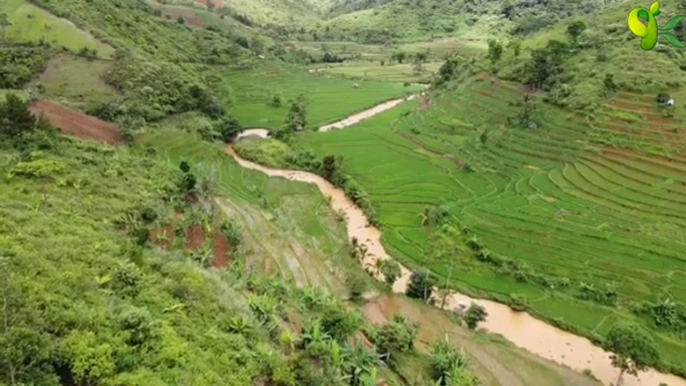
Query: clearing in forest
(32, 24)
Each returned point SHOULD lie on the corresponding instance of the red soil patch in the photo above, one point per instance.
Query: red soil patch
(76, 123)
(217, 3)
(221, 250)
(195, 237)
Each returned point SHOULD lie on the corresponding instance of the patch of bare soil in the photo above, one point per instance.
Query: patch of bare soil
(76, 123)
(221, 249)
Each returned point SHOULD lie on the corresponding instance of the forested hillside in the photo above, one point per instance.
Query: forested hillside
(417, 20)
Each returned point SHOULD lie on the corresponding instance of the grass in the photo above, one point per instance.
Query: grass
(76, 81)
(30, 23)
(329, 98)
(290, 229)
(567, 200)
(398, 73)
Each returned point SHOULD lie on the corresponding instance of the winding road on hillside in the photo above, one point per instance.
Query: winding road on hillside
(520, 328)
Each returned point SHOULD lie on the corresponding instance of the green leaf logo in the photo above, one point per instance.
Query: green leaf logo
(643, 23)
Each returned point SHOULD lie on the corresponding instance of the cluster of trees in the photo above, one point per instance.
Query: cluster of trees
(20, 62)
(17, 123)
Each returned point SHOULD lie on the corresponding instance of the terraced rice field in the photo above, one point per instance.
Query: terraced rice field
(329, 98)
(599, 201)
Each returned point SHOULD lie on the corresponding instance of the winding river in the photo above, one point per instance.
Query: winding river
(520, 328)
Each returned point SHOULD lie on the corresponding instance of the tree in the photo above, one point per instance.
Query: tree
(357, 361)
(210, 5)
(329, 167)
(526, 114)
(296, 119)
(546, 66)
(421, 285)
(609, 85)
(400, 56)
(356, 286)
(575, 30)
(516, 46)
(228, 128)
(391, 271)
(4, 23)
(16, 119)
(474, 314)
(448, 365)
(632, 349)
(419, 59)
(495, 51)
(395, 337)
(185, 167)
(180, 20)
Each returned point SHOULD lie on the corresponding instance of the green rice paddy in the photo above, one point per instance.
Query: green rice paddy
(329, 98)
(599, 201)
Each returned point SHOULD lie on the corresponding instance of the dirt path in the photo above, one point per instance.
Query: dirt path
(520, 328)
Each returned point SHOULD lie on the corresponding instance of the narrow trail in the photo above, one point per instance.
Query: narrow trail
(521, 328)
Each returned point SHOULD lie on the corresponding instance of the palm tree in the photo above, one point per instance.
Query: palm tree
(287, 341)
(314, 340)
(358, 361)
(378, 264)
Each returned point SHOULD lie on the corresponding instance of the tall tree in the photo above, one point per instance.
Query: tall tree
(632, 349)
(4, 23)
(421, 285)
(15, 117)
(495, 51)
(575, 30)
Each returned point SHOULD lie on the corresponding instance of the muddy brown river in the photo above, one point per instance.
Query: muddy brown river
(520, 328)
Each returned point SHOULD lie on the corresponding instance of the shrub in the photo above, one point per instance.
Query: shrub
(421, 285)
(474, 314)
(356, 285)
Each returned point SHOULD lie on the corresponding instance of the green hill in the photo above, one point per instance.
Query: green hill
(416, 20)
(543, 168)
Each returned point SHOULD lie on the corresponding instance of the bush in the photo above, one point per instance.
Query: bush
(356, 285)
(391, 271)
(421, 285)
(474, 314)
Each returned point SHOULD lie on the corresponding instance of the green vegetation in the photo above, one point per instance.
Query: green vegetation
(504, 184)
(252, 91)
(75, 80)
(540, 170)
(28, 23)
